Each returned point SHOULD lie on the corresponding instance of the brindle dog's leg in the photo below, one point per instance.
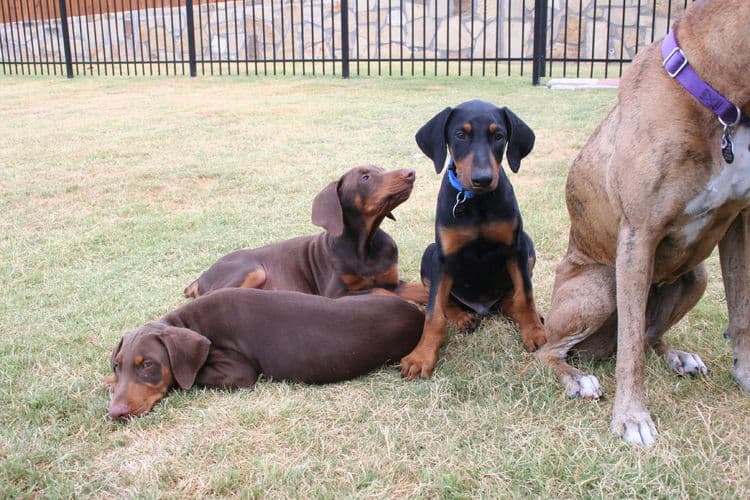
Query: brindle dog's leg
(734, 253)
(667, 304)
(634, 269)
(583, 303)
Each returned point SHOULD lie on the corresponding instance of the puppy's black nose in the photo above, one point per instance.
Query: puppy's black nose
(481, 180)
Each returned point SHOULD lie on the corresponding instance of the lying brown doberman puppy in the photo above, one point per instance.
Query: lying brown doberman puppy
(662, 180)
(230, 337)
(352, 255)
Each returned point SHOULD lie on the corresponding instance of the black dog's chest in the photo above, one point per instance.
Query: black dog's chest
(483, 276)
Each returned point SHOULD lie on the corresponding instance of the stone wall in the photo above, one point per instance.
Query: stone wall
(311, 29)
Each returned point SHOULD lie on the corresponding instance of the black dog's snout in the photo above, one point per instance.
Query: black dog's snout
(481, 180)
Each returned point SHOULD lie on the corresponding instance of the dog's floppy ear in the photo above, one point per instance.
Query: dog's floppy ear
(110, 380)
(520, 138)
(327, 212)
(115, 352)
(187, 352)
(431, 138)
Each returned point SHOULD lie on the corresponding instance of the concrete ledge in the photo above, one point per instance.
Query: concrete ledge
(582, 83)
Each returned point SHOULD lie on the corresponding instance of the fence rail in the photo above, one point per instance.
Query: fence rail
(592, 38)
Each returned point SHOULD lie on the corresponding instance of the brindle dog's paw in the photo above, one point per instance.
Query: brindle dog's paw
(635, 427)
(685, 363)
(741, 372)
(585, 386)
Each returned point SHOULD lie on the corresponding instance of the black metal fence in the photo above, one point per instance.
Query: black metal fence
(591, 38)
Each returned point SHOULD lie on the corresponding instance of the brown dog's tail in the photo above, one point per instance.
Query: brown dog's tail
(192, 292)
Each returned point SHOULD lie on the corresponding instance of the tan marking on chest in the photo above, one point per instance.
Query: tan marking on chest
(503, 232)
(356, 282)
(388, 278)
(454, 238)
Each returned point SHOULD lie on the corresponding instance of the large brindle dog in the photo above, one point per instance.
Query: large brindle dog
(650, 196)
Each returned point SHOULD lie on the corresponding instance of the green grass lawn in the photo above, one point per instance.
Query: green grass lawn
(116, 193)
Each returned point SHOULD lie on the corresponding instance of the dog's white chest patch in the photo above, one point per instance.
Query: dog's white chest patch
(732, 183)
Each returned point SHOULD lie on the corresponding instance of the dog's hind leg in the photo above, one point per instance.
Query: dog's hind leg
(254, 279)
(228, 369)
(583, 304)
(734, 253)
(667, 304)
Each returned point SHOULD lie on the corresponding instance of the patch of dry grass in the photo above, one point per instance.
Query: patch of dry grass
(116, 193)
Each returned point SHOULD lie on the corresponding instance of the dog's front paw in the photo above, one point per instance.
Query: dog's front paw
(585, 386)
(685, 363)
(462, 321)
(634, 427)
(533, 338)
(418, 365)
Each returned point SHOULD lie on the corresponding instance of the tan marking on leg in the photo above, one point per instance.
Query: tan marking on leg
(458, 317)
(422, 360)
(522, 310)
(413, 292)
(254, 279)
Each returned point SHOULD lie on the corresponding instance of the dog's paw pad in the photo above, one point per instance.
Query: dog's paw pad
(685, 363)
(639, 429)
(585, 386)
(414, 367)
(464, 322)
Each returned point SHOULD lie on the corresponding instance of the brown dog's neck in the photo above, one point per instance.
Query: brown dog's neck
(721, 60)
(360, 234)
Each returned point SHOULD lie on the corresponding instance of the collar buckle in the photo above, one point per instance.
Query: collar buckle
(667, 62)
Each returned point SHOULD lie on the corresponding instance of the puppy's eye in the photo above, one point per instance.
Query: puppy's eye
(364, 178)
(461, 135)
(115, 366)
(498, 136)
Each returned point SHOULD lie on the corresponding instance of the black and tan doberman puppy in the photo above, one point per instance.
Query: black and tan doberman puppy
(352, 255)
(481, 257)
(230, 337)
(650, 196)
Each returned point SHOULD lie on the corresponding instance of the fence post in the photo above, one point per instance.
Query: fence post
(66, 39)
(344, 38)
(191, 38)
(540, 40)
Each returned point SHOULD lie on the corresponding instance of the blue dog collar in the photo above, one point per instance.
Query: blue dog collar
(467, 195)
(463, 194)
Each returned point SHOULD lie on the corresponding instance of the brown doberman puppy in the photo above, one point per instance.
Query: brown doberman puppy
(230, 337)
(481, 259)
(652, 193)
(352, 255)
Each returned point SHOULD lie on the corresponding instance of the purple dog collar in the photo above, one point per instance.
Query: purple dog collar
(677, 66)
